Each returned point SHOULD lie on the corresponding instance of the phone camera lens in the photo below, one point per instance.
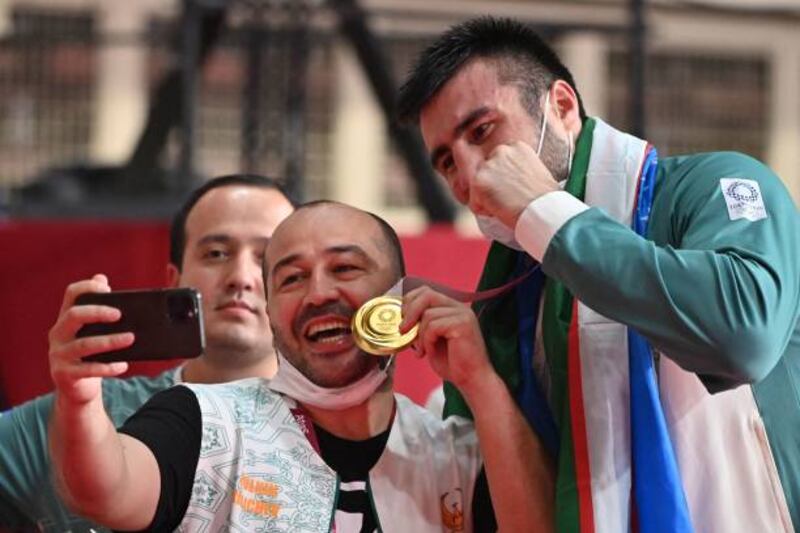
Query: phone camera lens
(180, 307)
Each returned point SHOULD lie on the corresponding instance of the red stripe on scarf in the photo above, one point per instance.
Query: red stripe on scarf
(580, 441)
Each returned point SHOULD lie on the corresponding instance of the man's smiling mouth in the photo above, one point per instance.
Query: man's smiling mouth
(328, 331)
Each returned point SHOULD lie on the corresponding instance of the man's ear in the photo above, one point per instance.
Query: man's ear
(173, 276)
(566, 103)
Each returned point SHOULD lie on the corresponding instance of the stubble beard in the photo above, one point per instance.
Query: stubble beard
(555, 156)
(348, 372)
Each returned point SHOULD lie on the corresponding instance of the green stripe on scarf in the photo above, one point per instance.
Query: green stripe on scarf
(556, 317)
(499, 325)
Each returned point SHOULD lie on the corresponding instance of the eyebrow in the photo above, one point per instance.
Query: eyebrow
(214, 238)
(223, 238)
(458, 130)
(333, 250)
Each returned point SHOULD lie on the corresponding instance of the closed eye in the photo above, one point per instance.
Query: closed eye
(290, 279)
(341, 269)
(446, 164)
(481, 131)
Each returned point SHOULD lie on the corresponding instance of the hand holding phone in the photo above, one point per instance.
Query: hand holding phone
(166, 323)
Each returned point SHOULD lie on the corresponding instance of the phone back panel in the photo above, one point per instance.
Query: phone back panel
(167, 324)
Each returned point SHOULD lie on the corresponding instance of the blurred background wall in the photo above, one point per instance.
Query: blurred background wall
(113, 109)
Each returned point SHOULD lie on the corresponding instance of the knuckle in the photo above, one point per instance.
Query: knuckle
(481, 186)
(106, 342)
(60, 359)
(74, 287)
(77, 288)
(52, 354)
(85, 346)
(54, 332)
(486, 171)
(428, 292)
(414, 293)
(72, 314)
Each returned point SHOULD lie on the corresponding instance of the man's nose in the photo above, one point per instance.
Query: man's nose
(321, 289)
(244, 273)
(467, 160)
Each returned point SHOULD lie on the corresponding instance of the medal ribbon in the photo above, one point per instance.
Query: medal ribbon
(384, 339)
(410, 283)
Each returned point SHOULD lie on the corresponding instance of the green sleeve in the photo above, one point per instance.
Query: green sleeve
(24, 465)
(27, 493)
(29, 499)
(719, 296)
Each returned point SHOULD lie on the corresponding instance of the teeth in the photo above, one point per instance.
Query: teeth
(330, 331)
(333, 339)
(325, 326)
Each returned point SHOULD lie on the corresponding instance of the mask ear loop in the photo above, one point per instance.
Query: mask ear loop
(385, 366)
(544, 122)
(569, 154)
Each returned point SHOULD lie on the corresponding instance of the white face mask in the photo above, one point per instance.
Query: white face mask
(495, 230)
(291, 382)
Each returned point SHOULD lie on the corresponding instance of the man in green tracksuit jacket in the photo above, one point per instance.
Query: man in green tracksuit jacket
(217, 241)
(696, 258)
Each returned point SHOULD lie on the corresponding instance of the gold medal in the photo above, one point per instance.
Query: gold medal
(376, 326)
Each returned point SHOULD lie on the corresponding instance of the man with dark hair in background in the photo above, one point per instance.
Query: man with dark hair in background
(658, 357)
(326, 444)
(217, 241)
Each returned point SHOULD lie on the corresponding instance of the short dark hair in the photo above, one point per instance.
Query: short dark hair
(521, 56)
(388, 232)
(177, 231)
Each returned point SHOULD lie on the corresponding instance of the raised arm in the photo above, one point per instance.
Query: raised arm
(111, 478)
(521, 475)
(716, 293)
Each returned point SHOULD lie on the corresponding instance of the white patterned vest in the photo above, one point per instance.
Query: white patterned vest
(258, 472)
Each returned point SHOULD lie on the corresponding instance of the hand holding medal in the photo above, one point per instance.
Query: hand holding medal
(376, 324)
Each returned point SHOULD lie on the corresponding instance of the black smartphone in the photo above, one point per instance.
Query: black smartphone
(167, 323)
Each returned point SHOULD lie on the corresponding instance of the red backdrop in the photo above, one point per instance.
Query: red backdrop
(39, 259)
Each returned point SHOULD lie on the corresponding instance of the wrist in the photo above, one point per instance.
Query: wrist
(483, 385)
(542, 218)
(71, 407)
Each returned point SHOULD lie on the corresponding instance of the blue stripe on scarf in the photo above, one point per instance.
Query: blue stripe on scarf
(660, 501)
(530, 397)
